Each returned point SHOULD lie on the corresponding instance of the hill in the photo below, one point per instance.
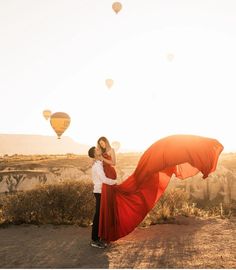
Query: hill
(11, 144)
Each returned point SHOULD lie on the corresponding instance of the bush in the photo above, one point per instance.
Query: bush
(73, 203)
(169, 205)
(176, 203)
(65, 203)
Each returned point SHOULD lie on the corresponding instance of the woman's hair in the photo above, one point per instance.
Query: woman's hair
(108, 146)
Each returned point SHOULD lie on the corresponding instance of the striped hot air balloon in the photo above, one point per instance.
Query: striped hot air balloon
(60, 121)
(117, 6)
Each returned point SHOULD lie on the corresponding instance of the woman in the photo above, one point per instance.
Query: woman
(124, 206)
(108, 157)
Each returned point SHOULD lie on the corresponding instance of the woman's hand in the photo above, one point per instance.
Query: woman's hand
(101, 158)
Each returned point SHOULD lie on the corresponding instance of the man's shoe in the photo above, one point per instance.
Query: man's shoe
(103, 242)
(97, 244)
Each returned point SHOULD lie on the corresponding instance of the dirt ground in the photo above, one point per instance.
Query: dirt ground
(189, 243)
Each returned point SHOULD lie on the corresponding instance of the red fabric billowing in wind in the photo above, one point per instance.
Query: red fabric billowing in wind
(125, 205)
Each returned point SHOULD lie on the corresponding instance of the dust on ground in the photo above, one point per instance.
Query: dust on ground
(189, 243)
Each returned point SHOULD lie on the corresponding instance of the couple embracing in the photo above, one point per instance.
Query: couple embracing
(102, 172)
(124, 206)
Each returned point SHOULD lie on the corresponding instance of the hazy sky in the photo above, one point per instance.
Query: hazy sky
(57, 55)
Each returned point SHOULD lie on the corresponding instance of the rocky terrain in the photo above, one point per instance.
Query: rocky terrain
(20, 172)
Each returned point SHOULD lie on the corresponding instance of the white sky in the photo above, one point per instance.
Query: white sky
(57, 55)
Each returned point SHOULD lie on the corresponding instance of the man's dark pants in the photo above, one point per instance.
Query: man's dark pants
(95, 226)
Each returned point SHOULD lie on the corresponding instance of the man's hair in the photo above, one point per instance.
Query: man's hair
(91, 152)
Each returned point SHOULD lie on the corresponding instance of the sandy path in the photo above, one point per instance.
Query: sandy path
(193, 243)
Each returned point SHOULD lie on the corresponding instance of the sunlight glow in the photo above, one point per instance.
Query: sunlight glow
(171, 76)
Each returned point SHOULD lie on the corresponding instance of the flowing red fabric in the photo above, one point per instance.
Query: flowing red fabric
(109, 170)
(125, 205)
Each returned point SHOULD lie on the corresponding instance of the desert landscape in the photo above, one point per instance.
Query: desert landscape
(25, 172)
(184, 241)
(137, 77)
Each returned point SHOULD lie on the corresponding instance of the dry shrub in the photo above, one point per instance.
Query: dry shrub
(1, 208)
(176, 203)
(73, 203)
(65, 203)
(217, 208)
(170, 204)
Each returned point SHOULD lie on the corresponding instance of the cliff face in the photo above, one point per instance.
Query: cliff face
(22, 180)
(11, 144)
(24, 173)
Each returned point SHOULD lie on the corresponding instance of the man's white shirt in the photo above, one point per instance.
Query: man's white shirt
(99, 177)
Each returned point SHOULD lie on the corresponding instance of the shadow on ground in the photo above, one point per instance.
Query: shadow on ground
(192, 243)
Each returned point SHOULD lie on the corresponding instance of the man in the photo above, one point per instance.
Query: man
(98, 177)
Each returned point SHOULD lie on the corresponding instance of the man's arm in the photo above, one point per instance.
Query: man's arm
(105, 179)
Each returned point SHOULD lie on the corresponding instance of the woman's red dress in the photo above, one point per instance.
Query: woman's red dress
(125, 205)
(109, 170)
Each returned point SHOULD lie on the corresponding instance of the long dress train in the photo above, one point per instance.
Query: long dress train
(125, 205)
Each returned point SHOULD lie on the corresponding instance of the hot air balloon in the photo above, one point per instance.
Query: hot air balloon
(60, 121)
(47, 114)
(115, 145)
(117, 7)
(109, 83)
(170, 57)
